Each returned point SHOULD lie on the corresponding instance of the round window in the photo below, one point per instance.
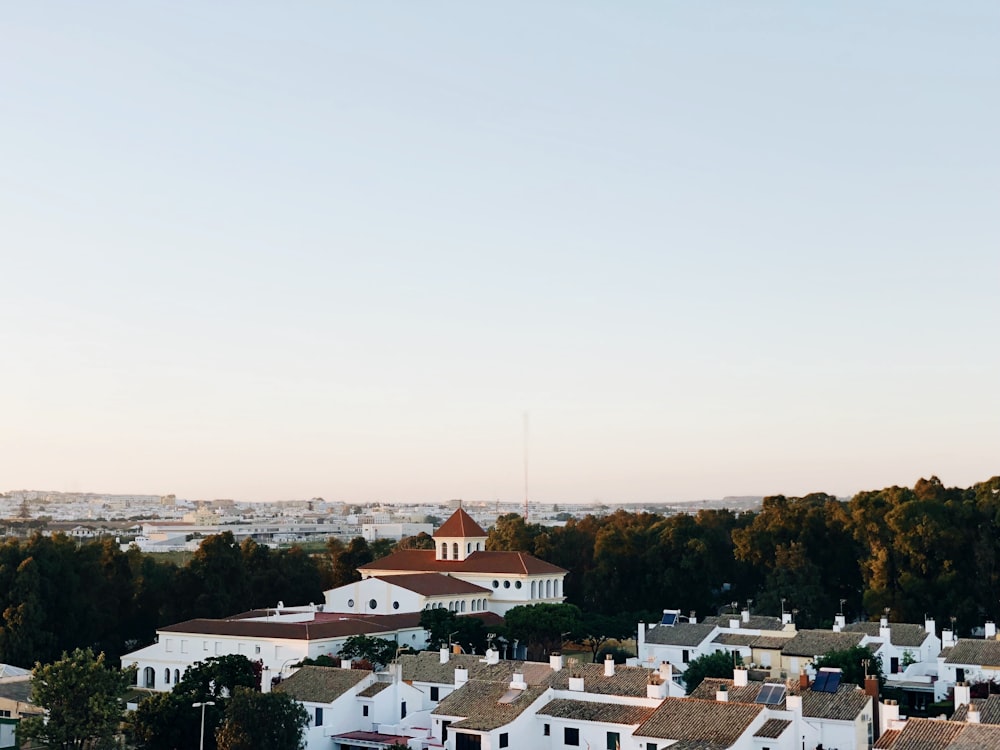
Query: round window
(496, 584)
(372, 604)
(395, 605)
(517, 584)
(350, 602)
(506, 584)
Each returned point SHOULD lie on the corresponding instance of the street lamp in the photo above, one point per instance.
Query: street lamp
(202, 705)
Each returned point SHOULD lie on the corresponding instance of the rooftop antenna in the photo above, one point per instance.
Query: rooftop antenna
(525, 467)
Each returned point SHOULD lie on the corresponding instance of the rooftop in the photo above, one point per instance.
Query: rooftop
(321, 684)
(460, 524)
(501, 563)
(699, 720)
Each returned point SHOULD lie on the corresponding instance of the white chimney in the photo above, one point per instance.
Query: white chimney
(692, 617)
(656, 688)
(963, 694)
(884, 631)
(890, 713)
(786, 618)
(794, 703)
(492, 656)
(990, 630)
(609, 666)
(722, 694)
(346, 663)
(666, 671)
(555, 661)
(640, 641)
(734, 624)
(973, 716)
(740, 677)
(576, 683)
(839, 623)
(461, 676)
(517, 682)
(746, 615)
(929, 626)
(444, 654)
(947, 638)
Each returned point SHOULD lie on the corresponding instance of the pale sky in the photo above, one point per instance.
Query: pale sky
(284, 250)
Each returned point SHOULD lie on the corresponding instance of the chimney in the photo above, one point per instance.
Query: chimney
(640, 640)
(461, 676)
(890, 714)
(804, 680)
(692, 617)
(576, 683)
(973, 716)
(734, 624)
(517, 682)
(929, 625)
(740, 676)
(492, 656)
(656, 688)
(786, 618)
(839, 623)
(346, 663)
(746, 615)
(609, 666)
(990, 630)
(871, 690)
(884, 632)
(556, 660)
(947, 638)
(444, 654)
(963, 694)
(794, 703)
(722, 694)
(666, 671)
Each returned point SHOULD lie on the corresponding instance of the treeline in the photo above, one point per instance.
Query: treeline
(929, 550)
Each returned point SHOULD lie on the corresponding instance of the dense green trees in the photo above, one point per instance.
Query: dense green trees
(262, 720)
(83, 700)
(718, 664)
(927, 550)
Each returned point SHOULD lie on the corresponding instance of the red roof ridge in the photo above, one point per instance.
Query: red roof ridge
(460, 524)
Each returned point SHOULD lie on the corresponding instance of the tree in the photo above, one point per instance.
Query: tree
(82, 698)
(541, 627)
(718, 664)
(855, 663)
(445, 627)
(217, 677)
(262, 720)
(371, 648)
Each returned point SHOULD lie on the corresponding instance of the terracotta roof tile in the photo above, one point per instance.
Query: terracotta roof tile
(756, 622)
(484, 706)
(324, 625)
(772, 728)
(682, 634)
(461, 524)
(433, 584)
(813, 643)
(699, 720)
(974, 652)
(844, 705)
(423, 561)
(627, 681)
(900, 633)
(989, 710)
(321, 684)
(374, 689)
(612, 713)
(925, 734)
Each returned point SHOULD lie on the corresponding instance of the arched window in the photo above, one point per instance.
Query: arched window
(468, 548)
(444, 550)
(534, 589)
(479, 546)
(177, 676)
(166, 676)
(149, 677)
(454, 550)
(555, 587)
(548, 589)
(463, 606)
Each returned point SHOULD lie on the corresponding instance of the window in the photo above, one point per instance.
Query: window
(435, 694)
(468, 548)
(204, 645)
(506, 584)
(256, 649)
(319, 716)
(614, 741)
(651, 746)
(177, 676)
(444, 550)
(4, 714)
(517, 584)
(496, 584)
(571, 736)
(685, 656)
(454, 550)
(504, 740)
(364, 710)
(959, 675)
(184, 646)
(350, 602)
(465, 741)
(170, 644)
(149, 677)
(166, 676)
(402, 710)
(372, 604)
(395, 605)
(546, 730)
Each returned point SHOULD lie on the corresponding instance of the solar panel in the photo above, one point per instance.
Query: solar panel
(770, 694)
(833, 682)
(819, 684)
(669, 618)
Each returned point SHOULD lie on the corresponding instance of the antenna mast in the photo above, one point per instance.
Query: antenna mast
(525, 467)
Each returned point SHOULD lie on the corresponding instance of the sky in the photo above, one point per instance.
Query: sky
(267, 251)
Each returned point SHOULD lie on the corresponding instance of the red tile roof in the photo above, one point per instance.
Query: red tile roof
(325, 625)
(423, 561)
(460, 524)
(433, 584)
